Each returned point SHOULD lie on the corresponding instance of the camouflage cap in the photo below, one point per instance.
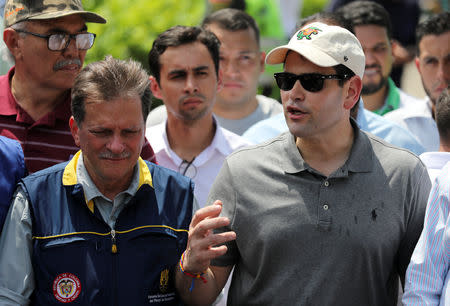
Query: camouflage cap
(20, 10)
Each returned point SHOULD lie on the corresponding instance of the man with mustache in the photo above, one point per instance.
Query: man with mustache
(184, 62)
(372, 27)
(433, 63)
(48, 41)
(107, 227)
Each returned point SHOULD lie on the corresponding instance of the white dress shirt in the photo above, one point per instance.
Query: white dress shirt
(205, 167)
(419, 121)
(435, 161)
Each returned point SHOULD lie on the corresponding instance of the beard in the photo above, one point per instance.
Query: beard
(370, 89)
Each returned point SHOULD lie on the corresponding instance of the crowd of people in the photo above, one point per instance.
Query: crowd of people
(339, 194)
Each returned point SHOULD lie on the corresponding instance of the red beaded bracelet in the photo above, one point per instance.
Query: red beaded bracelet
(194, 276)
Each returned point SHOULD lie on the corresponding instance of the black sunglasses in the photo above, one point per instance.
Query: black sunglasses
(312, 82)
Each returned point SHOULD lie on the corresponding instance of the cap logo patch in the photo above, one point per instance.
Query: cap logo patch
(14, 11)
(345, 58)
(306, 33)
(66, 287)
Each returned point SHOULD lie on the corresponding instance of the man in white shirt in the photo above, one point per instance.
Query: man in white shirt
(433, 63)
(435, 161)
(184, 64)
(238, 106)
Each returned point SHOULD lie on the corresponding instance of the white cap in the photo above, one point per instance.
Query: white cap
(325, 46)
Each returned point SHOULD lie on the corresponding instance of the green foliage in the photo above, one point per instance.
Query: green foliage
(133, 25)
(313, 6)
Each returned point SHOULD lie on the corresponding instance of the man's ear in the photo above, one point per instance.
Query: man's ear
(12, 41)
(74, 129)
(154, 87)
(417, 61)
(352, 92)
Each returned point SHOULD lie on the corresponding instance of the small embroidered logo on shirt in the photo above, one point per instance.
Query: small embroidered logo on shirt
(164, 281)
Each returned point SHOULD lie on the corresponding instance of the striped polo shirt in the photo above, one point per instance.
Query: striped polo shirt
(47, 141)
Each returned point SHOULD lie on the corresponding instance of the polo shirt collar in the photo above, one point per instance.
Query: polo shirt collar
(219, 141)
(11, 107)
(360, 158)
(392, 101)
(90, 189)
(73, 176)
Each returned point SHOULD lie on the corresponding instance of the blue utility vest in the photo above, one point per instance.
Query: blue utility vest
(78, 259)
(12, 169)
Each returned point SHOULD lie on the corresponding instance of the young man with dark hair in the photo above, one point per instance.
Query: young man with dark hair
(238, 106)
(184, 63)
(372, 26)
(436, 160)
(433, 63)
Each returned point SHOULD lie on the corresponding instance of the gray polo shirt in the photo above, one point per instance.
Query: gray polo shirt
(306, 239)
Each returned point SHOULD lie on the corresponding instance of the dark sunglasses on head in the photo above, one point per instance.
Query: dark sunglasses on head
(312, 82)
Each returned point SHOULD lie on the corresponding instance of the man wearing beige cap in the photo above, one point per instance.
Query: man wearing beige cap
(48, 41)
(324, 214)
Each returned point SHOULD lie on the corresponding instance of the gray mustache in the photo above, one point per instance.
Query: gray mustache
(61, 64)
(110, 155)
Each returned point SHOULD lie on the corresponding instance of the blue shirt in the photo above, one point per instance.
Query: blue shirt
(12, 169)
(367, 121)
(427, 277)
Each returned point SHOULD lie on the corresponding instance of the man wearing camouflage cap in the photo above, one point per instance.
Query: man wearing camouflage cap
(48, 40)
(324, 214)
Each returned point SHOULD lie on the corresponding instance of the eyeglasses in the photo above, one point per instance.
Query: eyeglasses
(60, 41)
(312, 82)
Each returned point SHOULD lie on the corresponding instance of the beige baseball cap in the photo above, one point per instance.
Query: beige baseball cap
(325, 46)
(20, 10)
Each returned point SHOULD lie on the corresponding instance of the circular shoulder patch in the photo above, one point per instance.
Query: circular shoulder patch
(66, 287)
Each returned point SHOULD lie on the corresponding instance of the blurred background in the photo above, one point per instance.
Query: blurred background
(133, 25)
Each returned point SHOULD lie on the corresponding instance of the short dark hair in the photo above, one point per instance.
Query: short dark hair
(181, 35)
(442, 115)
(330, 18)
(107, 80)
(232, 20)
(436, 24)
(360, 13)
